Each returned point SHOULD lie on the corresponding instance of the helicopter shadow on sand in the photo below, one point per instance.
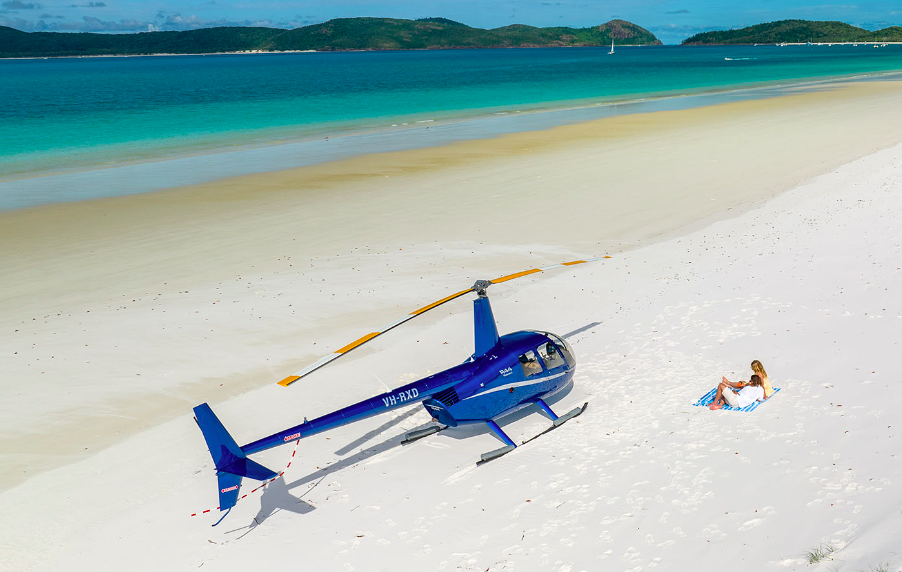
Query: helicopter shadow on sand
(386, 445)
(275, 498)
(569, 335)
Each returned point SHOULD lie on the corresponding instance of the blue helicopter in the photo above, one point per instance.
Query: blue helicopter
(505, 374)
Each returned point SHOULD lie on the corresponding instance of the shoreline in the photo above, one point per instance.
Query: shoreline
(208, 165)
(157, 285)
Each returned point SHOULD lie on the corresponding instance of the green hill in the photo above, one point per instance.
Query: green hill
(338, 34)
(795, 31)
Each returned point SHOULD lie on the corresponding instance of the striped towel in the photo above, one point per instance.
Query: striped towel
(708, 398)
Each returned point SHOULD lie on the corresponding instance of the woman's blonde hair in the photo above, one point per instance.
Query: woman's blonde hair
(758, 368)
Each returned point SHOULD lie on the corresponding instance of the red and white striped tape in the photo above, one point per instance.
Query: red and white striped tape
(291, 460)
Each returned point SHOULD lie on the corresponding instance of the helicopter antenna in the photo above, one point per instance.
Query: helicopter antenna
(480, 287)
(387, 388)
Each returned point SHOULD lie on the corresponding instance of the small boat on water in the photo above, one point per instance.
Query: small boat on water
(612, 47)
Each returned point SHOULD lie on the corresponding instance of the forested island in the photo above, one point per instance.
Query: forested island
(334, 35)
(796, 31)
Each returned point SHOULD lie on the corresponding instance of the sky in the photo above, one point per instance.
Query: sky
(670, 20)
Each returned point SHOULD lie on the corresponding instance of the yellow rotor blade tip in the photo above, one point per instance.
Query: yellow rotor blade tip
(289, 380)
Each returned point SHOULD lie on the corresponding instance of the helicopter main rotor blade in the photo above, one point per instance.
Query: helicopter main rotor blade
(364, 339)
(543, 269)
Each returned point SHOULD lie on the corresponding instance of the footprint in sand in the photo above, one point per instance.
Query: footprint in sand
(569, 540)
(714, 531)
(749, 524)
(632, 555)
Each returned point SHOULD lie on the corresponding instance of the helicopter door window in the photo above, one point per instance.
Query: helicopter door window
(530, 364)
(550, 355)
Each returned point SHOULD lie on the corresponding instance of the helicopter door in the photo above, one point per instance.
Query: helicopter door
(551, 355)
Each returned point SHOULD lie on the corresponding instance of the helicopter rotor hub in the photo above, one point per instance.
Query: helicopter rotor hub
(480, 287)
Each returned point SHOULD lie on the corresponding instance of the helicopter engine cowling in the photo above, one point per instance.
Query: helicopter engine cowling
(438, 406)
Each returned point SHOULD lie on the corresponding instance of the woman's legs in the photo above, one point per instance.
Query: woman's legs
(718, 397)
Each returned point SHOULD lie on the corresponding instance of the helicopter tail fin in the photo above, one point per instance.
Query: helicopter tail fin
(231, 462)
(486, 332)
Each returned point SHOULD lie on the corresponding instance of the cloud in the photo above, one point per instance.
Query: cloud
(17, 23)
(18, 5)
(162, 22)
(89, 5)
(92, 24)
(683, 11)
(300, 21)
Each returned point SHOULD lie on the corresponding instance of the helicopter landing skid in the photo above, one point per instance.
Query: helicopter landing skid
(486, 457)
(560, 421)
(420, 433)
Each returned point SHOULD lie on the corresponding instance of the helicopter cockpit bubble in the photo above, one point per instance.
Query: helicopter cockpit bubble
(565, 348)
(561, 344)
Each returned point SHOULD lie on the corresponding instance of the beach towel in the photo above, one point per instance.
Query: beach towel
(708, 398)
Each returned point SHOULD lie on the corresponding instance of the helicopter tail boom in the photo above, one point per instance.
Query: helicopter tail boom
(231, 461)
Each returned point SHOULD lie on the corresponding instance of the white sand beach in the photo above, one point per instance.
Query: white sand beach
(751, 230)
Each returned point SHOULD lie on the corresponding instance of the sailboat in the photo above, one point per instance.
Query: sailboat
(612, 47)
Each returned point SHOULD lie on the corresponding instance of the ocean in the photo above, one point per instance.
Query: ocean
(79, 128)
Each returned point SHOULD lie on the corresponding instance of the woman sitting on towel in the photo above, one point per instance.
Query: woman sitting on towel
(758, 369)
(750, 393)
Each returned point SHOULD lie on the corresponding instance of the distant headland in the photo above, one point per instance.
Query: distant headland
(335, 35)
(796, 31)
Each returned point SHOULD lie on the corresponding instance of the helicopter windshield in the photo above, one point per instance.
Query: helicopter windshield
(550, 355)
(565, 348)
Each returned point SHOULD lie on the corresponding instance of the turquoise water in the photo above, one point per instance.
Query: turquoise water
(71, 114)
